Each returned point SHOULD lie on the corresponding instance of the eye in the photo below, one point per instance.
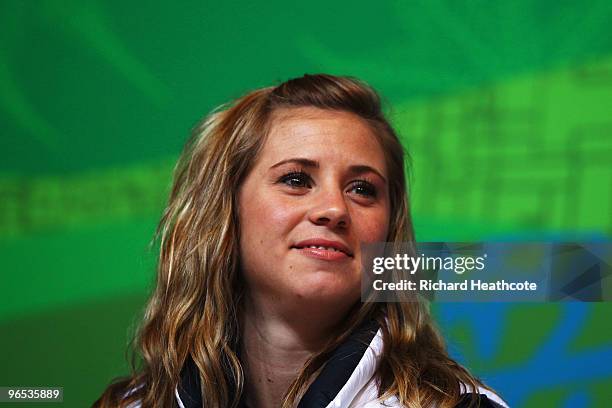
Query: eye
(296, 179)
(363, 188)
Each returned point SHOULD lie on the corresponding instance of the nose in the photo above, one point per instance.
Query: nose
(330, 210)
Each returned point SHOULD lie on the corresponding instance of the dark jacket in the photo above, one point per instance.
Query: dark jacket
(346, 381)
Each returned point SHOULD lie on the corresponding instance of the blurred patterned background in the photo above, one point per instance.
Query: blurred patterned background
(504, 107)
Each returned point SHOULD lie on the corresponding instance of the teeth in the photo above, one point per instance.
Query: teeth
(322, 247)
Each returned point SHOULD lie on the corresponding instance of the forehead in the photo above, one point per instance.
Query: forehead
(323, 135)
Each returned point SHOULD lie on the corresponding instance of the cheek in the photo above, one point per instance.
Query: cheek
(373, 226)
(265, 220)
(265, 226)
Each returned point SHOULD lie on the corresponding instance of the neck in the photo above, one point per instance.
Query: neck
(276, 346)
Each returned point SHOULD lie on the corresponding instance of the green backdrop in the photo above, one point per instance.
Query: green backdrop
(504, 107)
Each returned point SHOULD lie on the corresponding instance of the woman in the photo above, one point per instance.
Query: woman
(257, 302)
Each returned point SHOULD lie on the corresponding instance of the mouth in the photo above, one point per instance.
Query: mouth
(324, 248)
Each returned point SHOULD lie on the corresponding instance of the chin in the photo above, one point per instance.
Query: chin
(326, 286)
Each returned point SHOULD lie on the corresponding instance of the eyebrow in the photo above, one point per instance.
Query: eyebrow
(362, 168)
(298, 160)
(355, 169)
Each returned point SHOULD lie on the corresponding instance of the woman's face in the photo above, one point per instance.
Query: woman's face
(317, 191)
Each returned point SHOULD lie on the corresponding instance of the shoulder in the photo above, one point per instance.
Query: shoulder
(361, 390)
(135, 404)
(368, 398)
(484, 399)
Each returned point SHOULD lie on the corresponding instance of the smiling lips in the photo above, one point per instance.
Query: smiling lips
(324, 249)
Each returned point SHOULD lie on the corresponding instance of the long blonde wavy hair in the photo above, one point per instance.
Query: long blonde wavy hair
(193, 311)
